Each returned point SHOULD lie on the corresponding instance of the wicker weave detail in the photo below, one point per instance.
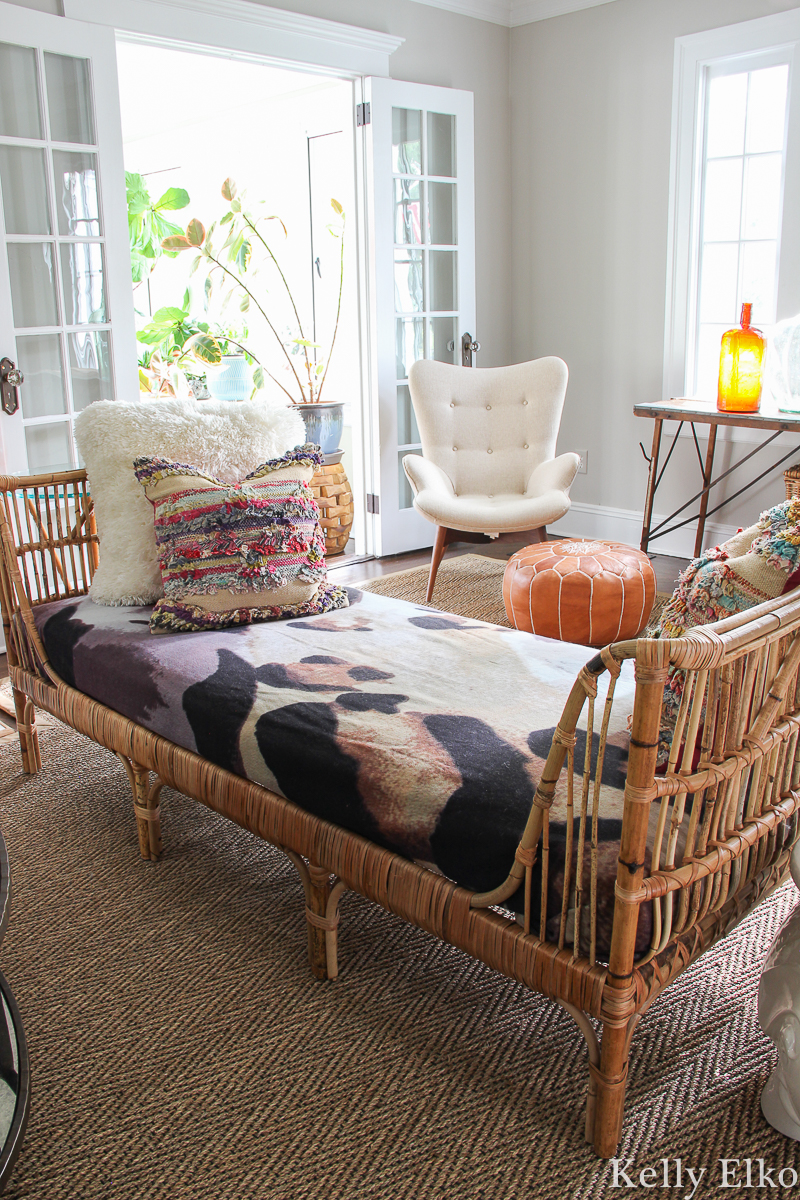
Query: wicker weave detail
(326, 923)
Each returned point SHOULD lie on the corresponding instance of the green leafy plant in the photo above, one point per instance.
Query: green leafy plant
(147, 227)
(178, 342)
(234, 266)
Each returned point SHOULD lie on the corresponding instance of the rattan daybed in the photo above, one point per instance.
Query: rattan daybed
(695, 848)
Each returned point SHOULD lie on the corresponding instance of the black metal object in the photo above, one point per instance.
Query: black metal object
(15, 1073)
(10, 379)
(13, 1048)
(659, 530)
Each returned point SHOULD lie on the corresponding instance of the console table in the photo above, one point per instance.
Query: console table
(703, 412)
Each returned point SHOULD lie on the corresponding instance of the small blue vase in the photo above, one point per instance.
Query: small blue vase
(232, 379)
(323, 424)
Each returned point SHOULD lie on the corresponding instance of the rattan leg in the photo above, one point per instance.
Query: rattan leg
(322, 918)
(610, 1078)
(323, 893)
(27, 732)
(146, 808)
(593, 1047)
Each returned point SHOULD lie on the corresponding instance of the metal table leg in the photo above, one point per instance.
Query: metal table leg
(707, 476)
(651, 483)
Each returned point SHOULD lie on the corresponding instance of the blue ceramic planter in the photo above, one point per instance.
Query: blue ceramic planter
(323, 424)
(232, 379)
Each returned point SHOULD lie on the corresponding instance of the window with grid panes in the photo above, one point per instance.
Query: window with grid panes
(425, 256)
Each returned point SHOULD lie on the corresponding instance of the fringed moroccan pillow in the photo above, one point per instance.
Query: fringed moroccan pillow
(755, 565)
(231, 554)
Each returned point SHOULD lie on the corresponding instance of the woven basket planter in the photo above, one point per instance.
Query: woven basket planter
(791, 477)
(331, 489)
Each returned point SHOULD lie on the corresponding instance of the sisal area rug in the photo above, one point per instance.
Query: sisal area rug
(470, 585)
(181, 1049)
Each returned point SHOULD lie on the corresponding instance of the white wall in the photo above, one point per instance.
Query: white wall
(591, 115)
(49, 6)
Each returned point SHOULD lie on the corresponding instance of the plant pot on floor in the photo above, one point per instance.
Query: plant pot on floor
(323, 424)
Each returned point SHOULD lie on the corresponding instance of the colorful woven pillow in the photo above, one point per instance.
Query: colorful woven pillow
(235, 553)
(755, 565)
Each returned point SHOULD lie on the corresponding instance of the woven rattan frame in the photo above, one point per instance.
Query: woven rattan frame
(728, 802)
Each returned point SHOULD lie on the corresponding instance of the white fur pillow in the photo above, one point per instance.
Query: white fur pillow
(224, 439)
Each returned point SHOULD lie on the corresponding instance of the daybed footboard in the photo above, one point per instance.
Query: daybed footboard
(703, 837)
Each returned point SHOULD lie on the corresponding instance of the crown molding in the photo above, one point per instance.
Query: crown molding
(293, 22)
(513, 12)
(246, 25)
(523, 12)
(496, 11)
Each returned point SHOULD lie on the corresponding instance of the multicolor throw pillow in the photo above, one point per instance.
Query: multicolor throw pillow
(231, 554)
(755, 565)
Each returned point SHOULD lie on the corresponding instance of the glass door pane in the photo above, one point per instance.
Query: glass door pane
(55, 247)
(425, 215)
(420, 152)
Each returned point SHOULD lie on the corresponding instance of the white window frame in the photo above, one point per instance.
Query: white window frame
(770, 39)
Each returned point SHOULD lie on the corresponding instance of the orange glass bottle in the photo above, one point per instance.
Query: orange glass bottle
(741, 367)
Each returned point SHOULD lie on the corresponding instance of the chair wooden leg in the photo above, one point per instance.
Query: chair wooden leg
(436, 557)
(27, 733)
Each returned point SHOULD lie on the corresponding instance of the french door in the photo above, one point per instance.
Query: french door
(66, 305)
(420, 188)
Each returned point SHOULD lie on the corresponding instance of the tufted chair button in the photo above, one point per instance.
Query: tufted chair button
(452, 403)
(488, 452)
(525, 402)
(488, 408)
(525, 447)
(454, 449)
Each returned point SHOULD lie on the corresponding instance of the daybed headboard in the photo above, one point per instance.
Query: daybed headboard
(49, 551)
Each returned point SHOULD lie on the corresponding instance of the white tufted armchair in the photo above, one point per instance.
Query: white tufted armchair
(488, 436)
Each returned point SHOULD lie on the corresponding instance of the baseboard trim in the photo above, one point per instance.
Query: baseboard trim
(625, 525)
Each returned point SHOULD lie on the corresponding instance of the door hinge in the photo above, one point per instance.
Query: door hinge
(373, 503)
(363, 114)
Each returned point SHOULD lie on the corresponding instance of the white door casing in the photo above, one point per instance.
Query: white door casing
(66, 304)
(419, 188)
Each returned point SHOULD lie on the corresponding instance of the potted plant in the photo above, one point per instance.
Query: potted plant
(234, 265)
(186, 354)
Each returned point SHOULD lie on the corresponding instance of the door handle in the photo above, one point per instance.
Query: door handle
(468, 348)
(10, 379)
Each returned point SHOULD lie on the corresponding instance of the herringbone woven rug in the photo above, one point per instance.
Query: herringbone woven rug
(181, 1049)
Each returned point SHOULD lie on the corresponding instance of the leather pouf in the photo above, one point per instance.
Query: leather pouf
(588, 592)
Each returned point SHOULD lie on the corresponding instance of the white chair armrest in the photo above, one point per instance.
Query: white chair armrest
(423, 475)
(556, 474)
